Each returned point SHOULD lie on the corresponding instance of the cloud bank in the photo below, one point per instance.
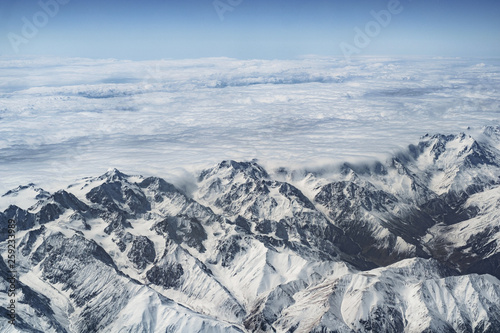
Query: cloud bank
(62, 119)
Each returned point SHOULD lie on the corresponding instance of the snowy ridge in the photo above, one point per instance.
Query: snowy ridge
(412, 296)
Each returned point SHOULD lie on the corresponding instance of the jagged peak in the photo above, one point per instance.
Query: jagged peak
(439, 142)
(68, 200)
(158, 184)
(438, 136)
(24, 196)
(230, 168)
(445, 138)
(114, 174)
(491, 129)
(455, 148)
(41, 192)
(492, 132)
(399, 163)
(61, 198)
(13, 208)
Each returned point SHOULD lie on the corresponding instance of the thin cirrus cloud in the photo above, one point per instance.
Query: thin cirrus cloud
(251, 29)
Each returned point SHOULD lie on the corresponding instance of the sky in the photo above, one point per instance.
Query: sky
(244, 29)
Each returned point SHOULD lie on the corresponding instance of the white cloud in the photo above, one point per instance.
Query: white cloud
(62, 119)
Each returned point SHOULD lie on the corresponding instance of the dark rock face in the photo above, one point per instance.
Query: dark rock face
(183, 229)
(48, 212)
(24, 220)
(490, 265)
(142, 252)
(159, 185)
(57, 247)
(69, 201)
(282, 231)
(39, 304)
(115, 197)
(353, 208)
(32, 236)
(247, 193)
(294, 194)
(230, 248)
(350, 196)
(242, 223)
(384, 319)
(70, 261)
(264, 227)
(117, 221)
(167, 276)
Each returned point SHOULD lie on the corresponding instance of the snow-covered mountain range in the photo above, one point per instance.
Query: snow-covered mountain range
(410, 244)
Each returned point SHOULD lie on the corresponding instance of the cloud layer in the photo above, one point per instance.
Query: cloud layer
(62, 119)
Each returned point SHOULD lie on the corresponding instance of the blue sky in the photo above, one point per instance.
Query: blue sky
(282, 29)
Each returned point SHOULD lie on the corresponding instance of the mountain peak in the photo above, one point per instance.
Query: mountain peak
(14, 192)
(461, 149)
(492, 132)
(23, 196)
(229, 169)
(113, 174)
